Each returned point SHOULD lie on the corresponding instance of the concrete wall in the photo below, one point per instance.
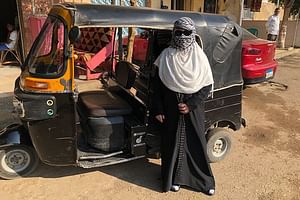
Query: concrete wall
(194, 5)
(230, 8)
(190, 5)
(156, 3)
(267, 9)
(291, 30)
(78, 1)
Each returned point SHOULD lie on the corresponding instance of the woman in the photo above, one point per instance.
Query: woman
(184, 81)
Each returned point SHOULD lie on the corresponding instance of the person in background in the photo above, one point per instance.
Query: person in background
(272, 25)
(12, 38)
(182, 82)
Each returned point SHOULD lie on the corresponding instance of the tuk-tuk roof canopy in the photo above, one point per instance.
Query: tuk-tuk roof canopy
(108, 15)
(222, 38)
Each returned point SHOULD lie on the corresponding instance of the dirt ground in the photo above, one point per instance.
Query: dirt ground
(264, 163)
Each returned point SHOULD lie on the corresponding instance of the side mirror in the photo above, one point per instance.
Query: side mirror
(74, 34)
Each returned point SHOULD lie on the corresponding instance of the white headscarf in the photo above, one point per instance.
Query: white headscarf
(184, 69)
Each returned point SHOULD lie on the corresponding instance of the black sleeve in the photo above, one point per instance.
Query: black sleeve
(157, 97)
(197, 98)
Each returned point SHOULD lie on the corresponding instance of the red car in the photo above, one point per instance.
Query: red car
(258, 59)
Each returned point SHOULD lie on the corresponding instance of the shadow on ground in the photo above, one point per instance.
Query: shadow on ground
(140, 172)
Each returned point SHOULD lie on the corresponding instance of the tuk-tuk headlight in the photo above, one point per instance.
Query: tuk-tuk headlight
(35, 84)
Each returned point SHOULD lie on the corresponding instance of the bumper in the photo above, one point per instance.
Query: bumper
(256, 80)
(259, 73)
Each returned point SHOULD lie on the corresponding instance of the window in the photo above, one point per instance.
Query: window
(46, 57)
(140, 45)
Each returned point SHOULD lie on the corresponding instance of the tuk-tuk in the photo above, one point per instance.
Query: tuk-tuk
(64, 127)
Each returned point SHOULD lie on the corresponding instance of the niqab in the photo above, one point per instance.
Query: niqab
(184, 67)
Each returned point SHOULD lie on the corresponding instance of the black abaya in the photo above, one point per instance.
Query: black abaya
(184, 159)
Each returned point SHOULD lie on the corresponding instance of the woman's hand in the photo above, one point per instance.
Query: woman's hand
(183, 108)
(160, 118)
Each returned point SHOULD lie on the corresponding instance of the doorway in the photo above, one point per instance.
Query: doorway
(9, 15)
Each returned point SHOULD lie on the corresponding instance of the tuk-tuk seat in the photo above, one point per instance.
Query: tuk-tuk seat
(102, 104)
(107, 103)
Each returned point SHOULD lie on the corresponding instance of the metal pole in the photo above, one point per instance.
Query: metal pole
(277, 5)
(33, 6)
(216, 6)
(242, 12)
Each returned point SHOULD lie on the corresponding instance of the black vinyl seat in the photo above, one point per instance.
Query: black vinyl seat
(102, 104)
(107, 103)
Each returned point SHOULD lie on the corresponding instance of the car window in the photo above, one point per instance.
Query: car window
(247, 35)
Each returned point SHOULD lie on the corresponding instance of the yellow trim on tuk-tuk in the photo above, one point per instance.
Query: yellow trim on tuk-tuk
(62, 84)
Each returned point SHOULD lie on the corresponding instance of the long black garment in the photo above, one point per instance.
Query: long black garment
(184, 159)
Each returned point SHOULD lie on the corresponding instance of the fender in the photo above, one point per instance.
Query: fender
(14, 134)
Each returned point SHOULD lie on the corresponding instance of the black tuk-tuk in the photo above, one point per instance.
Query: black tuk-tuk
(64, 127)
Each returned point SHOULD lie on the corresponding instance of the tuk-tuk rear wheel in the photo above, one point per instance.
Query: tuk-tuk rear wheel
(218, 144)
(17, 161)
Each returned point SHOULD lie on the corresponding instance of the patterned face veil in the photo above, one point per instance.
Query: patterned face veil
(184, 67)
(184, 32)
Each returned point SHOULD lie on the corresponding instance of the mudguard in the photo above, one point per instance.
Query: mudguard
(14, 134)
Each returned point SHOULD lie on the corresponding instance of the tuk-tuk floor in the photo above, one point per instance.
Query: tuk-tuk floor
(89, 153)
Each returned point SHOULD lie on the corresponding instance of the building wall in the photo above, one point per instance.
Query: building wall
(194, 5)
(78, 1)
(157, 3)
(230, 8)
(293, 29)
(190, 5)
(266, 10)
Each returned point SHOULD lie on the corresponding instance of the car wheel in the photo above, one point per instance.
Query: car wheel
(17, 161)
(218, 144)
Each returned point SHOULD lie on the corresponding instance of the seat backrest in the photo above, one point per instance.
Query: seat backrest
(125, 74)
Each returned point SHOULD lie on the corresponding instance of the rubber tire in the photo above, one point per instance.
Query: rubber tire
(214, 135)
(34, 162)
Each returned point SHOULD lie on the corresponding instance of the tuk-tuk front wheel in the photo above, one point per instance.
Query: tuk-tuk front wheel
(218, 144)
(17, 161)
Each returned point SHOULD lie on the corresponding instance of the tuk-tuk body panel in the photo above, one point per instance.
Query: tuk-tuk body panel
(63, 13)
(55, 139)
(42, 85)
(50, 120)
(225, 107)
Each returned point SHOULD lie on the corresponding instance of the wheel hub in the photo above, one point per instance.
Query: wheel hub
(15, 161)
(219, 148)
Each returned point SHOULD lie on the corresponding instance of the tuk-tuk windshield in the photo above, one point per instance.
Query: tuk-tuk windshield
(46, 57)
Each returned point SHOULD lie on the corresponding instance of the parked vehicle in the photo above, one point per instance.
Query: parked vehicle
(62, 127)
(258, 58)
